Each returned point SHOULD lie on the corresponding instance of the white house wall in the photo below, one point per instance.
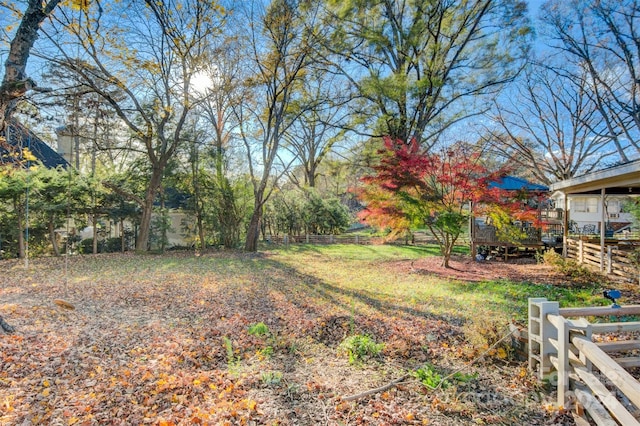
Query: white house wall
(592, 217)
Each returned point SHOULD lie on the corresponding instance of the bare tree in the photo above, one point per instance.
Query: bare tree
(549, 127)
(280, 54)
(600, 39)
(151, 57)
(320, 126)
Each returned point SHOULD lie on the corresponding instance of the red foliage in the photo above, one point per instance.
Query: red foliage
(409, 185)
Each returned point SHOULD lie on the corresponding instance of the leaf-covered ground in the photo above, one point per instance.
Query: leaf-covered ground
(165, 340)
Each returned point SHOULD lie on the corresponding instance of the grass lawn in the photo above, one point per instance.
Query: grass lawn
(234, 338)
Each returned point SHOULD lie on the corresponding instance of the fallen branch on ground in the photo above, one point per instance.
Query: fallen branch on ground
(399, 380)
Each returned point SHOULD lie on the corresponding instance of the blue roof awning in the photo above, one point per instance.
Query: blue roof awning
(512, 183)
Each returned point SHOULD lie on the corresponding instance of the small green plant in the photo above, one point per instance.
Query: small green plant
(232, 361)
(266, 352)
(259, 329)
(429, 376)
(271, 378)
(359, 348)
(461, 377)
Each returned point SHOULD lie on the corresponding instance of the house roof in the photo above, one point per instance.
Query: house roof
(19, 137)
(513, 183)
(619, 179)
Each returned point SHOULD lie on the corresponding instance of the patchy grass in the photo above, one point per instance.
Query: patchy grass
(236, 338)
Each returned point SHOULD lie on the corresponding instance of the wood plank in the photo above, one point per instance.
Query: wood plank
(605, 396)
(598, 413)
(619, 346)
(628, 362)
(614, 371)
(615, 327)
(600, 311)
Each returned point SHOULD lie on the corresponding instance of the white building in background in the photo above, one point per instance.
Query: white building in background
(68, 144)
(585, 212)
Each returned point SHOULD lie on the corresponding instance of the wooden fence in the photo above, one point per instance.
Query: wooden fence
(617, 259)
(324, 239)
(562, 350)
(416, 238)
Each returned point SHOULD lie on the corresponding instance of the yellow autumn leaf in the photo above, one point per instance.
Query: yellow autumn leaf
(46, 383)
(46, 392)
(80, 4)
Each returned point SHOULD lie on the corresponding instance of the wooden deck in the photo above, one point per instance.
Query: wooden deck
(486, 236)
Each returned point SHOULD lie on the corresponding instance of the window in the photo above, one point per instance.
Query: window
(613, 206)
(585, 205)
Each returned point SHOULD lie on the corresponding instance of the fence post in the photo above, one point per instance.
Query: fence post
(585, 327)
(357, 239)
(610, 259)
(540, 331)
(580, 251)
(331, 239)
(563, 362)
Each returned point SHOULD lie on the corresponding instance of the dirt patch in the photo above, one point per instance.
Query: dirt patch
(463, 268)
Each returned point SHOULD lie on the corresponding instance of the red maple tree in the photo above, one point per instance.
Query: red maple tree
(412, 189)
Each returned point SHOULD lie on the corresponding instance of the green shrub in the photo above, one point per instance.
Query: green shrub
(429, 377)
(259, 329)
(232, 361)
(552, 258)
(359, 348)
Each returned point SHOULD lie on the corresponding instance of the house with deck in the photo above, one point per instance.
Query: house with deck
(612, 252)
(485, 237)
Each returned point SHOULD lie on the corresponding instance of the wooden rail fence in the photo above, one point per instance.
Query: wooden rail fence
(562, 350)
(418, 238)
(617, 258)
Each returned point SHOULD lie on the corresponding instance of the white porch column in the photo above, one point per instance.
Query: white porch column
(602, 227)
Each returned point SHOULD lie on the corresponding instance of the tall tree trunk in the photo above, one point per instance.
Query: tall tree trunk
(200, 226)
(122, 239)
(94, 224)
(142, 244)
(20, 220)
(253, 233)
(15, 82)
(52, 237)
